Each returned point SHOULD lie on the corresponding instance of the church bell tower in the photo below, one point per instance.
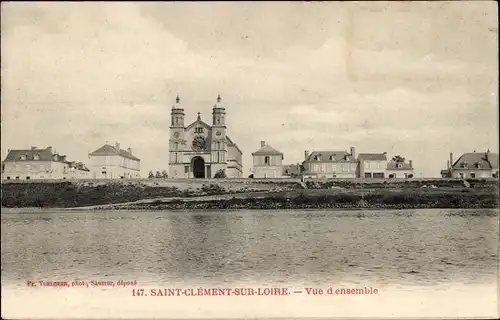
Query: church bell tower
(219, 142)
(177, 139)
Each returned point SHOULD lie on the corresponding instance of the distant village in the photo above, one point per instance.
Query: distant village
(202, 151)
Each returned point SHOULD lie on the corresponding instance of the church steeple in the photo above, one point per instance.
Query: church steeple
(177, 114)
(219, 114)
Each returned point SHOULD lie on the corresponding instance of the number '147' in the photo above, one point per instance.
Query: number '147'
(137, 292)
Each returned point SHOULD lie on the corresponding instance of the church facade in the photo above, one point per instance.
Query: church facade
(200, 150)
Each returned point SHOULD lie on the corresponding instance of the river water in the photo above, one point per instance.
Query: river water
(407, 255)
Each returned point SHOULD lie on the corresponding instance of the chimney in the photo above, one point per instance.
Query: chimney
(353, 152)
(117, 146)
(49, 148)
(306, 154)
(33, 148)
(129, 150)
(411, 163)
(262, 144)
(451, 159)
(447, 164)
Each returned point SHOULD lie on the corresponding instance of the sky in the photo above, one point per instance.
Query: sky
(414, 79)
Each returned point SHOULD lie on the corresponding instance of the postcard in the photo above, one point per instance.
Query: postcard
(227, 160)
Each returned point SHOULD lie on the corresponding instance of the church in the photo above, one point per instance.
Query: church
(200, 150)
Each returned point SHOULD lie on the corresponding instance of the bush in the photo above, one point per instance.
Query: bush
(220, 174)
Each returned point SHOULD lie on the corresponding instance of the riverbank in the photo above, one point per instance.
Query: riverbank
(157, 194)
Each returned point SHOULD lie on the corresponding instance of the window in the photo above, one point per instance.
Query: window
(472, 175)
(378, 175)
(368, 175)
(176, 146)
(198, 130)
(266, 160)
(18, 167)
(36, 157)
(378, 164)
(334, 167)
(399, 165)
(367, 165)
(27, 178)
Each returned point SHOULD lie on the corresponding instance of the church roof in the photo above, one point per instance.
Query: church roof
(267, 151)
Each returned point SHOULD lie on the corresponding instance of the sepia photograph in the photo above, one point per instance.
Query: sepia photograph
(237, 160)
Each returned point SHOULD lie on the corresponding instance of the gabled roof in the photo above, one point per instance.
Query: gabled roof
(267, 151)
(198, 122)
(109, 150)
(372, 157)
(330, 156)
(43, 155)
(392, 165)
(487, 160)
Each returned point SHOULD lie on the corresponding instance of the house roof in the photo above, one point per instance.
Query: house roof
(109, 150)
(392, 165)
(487, 160)
(43, 155)
(372, 157)
(267, 151)
(330, 156)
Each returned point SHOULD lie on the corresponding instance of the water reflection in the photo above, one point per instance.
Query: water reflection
(404, 247)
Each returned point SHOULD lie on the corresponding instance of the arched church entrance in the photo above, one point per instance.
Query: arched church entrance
(198, 165)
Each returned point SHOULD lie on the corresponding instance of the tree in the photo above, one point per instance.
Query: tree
(151, 175)
(398, 158)
(220, 174)
(158, 174)
(164, 174)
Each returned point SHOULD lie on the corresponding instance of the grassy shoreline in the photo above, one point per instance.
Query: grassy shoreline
(250, 194)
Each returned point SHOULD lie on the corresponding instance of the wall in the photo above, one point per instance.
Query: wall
(273, 169)
(235, 169)
(372, 166)
(331, 169)
(36, 170)
(480, 173)
(115, 167)
(401, 173)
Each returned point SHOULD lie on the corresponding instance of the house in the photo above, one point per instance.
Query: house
(473, 165)
(400, 169)
(35, 163)
(330, 164)
(112, 162)
(372, 165)
(267, 162)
